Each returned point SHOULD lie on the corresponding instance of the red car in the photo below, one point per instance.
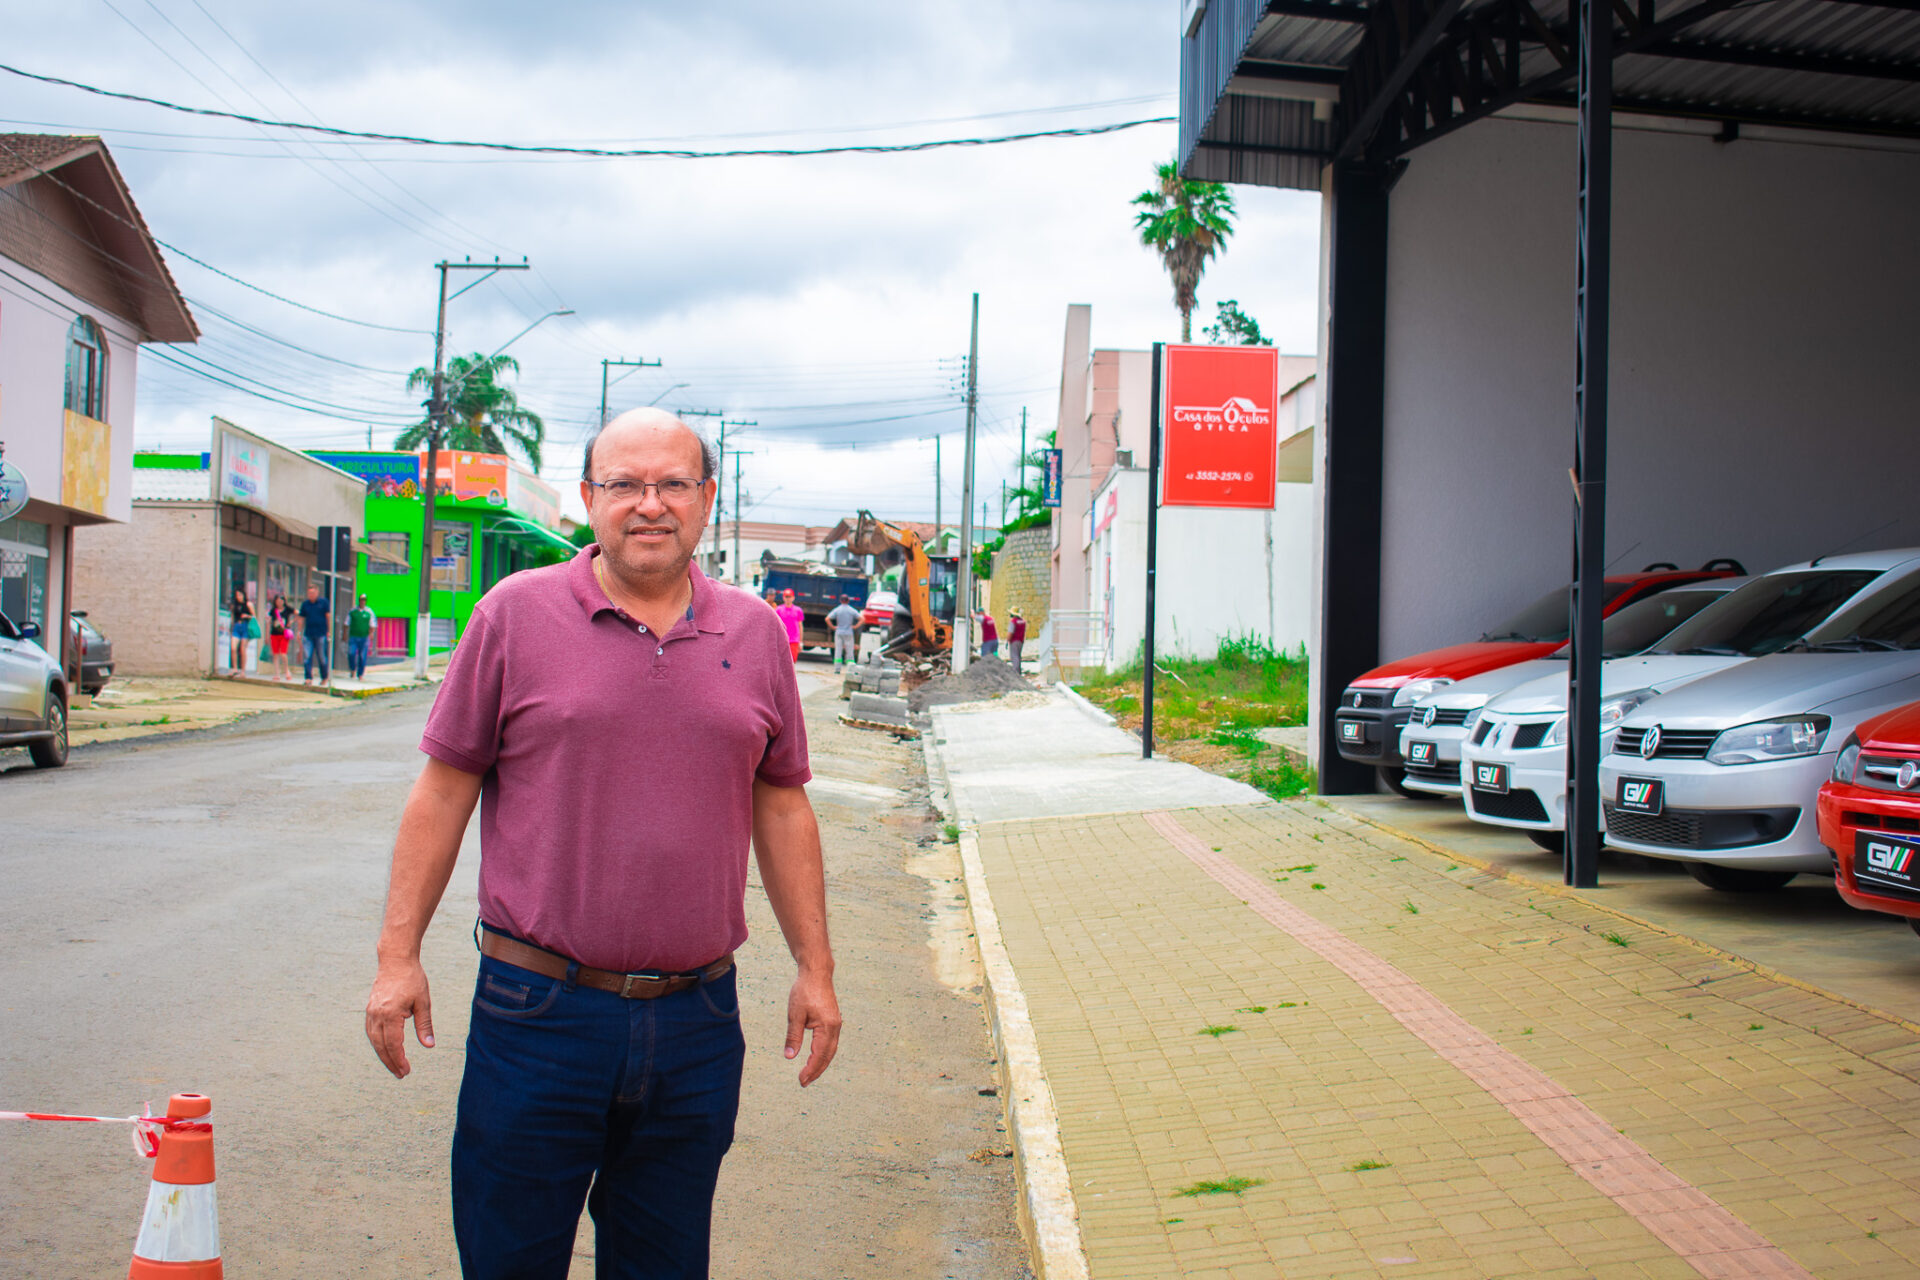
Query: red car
(1374, 708)
(879, 610)
(1870, 815)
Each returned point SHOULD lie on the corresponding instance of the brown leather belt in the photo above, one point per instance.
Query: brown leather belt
(630, 986)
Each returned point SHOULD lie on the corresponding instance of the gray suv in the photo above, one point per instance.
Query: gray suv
(33, 696)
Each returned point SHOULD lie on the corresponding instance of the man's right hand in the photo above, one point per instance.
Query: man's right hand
(399, 992)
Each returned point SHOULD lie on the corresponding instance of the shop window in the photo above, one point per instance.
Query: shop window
(86, 369)
(397, 544)
(23, 572)
(452, 557)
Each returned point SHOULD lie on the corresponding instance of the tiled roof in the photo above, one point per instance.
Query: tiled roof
(24, 154)
(169, 484)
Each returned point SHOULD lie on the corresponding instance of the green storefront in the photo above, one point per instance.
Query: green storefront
(492, 518)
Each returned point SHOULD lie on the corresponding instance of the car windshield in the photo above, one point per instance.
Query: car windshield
(1885, 620)
(1549, 617)
(1767, 614)
(1633, 627)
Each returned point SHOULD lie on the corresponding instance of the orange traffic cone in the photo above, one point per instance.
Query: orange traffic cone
(180, 1233)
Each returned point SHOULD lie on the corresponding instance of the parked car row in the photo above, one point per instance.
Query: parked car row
(1751, 729)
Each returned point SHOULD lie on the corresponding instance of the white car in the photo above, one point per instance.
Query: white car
(1723, 774)
(1441, 721)
(1515, 760)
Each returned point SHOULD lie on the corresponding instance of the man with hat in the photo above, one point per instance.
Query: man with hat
(1016, 636)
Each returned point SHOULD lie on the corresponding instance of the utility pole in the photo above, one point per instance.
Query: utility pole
(963, 602)
(436, 422)
(714, 526)
(737, 454)
(625, 364)
(720, 492)
(1023, 455)
(936, 488)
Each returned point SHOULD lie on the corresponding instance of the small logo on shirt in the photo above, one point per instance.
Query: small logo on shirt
(728, 665)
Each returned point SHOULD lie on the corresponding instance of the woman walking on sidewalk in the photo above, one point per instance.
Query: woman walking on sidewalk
(244, 630)
(279, 635)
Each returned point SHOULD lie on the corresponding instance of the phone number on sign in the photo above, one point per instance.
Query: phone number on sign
(1220, 475)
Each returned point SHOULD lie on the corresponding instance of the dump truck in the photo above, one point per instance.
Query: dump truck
(817, 589)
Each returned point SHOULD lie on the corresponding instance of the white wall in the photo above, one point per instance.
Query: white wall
(1221, 573)
(1764, 380)
(33, 367)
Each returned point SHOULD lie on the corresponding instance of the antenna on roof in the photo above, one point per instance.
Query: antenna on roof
(1815, 562)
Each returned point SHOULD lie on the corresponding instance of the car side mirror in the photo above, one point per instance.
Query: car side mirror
(28, 630)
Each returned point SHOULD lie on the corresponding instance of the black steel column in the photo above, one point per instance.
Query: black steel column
(1354, 448)
(1595, 235)
(1153, 551)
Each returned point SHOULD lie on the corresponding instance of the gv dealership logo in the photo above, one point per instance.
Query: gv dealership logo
(1632, 793)
(1650, 743)
(1894, 859)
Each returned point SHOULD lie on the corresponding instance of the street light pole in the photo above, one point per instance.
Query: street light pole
(627, 364)
(963, 601)
(436, 422)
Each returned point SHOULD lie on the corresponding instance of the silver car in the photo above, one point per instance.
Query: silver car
(33, 696)
(1723, 774)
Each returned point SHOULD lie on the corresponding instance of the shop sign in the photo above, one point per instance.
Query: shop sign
(1051, 493)
(388, 475)
(532, 497)
(243, 472)
(1221, 427)
(1107, 510)
(473, 477)
(13, 489)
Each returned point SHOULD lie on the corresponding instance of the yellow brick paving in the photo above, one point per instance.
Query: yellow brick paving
(1796, 1112)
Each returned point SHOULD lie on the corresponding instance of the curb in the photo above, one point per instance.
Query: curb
(1048, 1216)
(1499, 872)
(1079, 700)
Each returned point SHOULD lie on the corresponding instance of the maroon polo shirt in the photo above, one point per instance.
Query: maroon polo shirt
(617, 809)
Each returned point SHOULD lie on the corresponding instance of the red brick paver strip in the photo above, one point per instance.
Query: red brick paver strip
(1687, 1220)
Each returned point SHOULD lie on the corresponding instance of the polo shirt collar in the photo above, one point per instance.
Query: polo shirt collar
(703, 609)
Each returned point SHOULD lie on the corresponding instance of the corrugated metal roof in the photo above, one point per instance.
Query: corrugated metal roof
(170, 484)
(1838, 65)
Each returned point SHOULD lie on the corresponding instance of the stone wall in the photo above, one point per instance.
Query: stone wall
(149, 585)
(1023, 579)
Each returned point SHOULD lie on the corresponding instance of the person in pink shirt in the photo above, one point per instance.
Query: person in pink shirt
(791, 614)
(620, 792)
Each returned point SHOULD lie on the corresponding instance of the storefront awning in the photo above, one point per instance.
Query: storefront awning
(381, 554)
(298, 528)
(525, 531)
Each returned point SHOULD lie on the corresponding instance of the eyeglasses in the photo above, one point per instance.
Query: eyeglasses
(676, 489)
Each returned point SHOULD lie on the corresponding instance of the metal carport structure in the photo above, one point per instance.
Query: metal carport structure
(1334, 97)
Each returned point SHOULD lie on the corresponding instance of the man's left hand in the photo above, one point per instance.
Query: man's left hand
(811, 1006)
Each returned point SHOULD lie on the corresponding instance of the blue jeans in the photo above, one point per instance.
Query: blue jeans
(357, 655)
(566, 1089)
(316, 647)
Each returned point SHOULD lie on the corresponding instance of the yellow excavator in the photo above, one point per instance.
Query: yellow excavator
(923, 619)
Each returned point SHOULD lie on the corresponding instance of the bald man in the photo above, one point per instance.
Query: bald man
(630, 728)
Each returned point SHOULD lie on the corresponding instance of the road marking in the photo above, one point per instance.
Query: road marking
(1681, 1216)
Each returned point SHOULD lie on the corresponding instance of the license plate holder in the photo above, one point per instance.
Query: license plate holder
(1491, 778)
(1353, 731)
(1423, 753)
(1886, 864)
(1646, 796)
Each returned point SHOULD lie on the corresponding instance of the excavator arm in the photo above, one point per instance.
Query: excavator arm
(873, 536)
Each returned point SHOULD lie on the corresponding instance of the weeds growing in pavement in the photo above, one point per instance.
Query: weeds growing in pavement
(1217, 1032)
(1251, 1008)
(1616, 939)
(1367, 1166)
(1410, 909)
(1232, 1186)
(951, 831)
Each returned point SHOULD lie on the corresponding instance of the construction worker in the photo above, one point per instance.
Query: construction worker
(844, 619)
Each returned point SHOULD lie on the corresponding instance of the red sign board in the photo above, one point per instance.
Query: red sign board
(1219, 427)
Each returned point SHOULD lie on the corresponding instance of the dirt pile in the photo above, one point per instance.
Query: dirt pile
(984, 678)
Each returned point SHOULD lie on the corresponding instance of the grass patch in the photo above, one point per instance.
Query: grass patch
(1316, 886)
(159, 720)
(1410, 909)
(1616, 939)
(1251, 1008)
(1368, 1166)
(1232, 1186)
(1217, 1032)
(951, 831)
(1756, 1026)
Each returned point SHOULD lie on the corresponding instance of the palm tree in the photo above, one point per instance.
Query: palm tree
(1186, 223)
(483, 415)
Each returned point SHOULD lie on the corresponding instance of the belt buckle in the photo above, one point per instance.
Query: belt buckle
(627, 981)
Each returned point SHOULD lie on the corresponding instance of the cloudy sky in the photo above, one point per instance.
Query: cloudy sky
(824, 299)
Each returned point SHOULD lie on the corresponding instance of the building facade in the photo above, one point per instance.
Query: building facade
(82, 288)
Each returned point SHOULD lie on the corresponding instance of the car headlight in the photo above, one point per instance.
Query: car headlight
(1843, 764)
(1408, 694)
(1780, 739)
(1473, 718)
(1612, 711)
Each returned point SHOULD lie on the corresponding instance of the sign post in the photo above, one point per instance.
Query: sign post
(1220, 409)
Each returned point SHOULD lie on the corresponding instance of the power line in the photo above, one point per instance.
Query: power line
(602, 153)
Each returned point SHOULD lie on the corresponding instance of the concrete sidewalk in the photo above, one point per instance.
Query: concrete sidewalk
(1248, 1039)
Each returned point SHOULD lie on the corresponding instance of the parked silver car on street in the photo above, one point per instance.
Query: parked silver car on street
(33, 696)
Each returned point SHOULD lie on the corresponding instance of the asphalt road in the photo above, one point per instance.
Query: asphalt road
(198, 914)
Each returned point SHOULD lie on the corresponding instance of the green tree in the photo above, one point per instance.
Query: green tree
(483, 414)
(1186, 223)
(1233, 327)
